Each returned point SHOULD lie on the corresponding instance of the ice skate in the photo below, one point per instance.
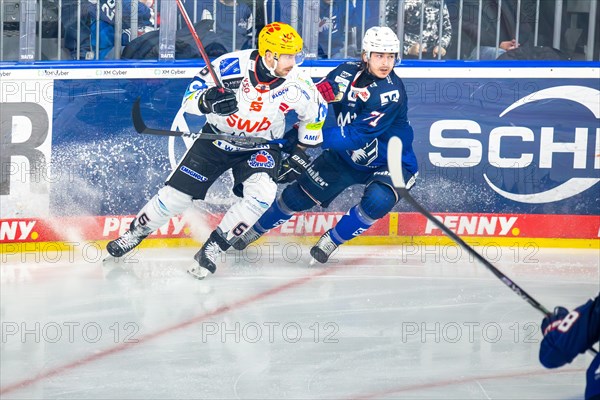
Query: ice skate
(128, 241)
(206, 258)
(323, 249)
(241, 242)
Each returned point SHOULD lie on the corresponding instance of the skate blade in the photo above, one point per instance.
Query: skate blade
(109, 259)
(197, 271)
(312, 262)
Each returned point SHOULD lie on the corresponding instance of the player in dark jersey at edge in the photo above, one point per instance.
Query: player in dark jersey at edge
(568, 334)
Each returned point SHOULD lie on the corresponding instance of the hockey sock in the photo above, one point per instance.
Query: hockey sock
(354, 223)
(259, 193)
(292, 200)
(376, 202)
(278, 214)
(165, 204)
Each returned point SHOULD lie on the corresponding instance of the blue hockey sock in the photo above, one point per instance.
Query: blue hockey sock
(276, 215)
(354, 223)
(292, 200)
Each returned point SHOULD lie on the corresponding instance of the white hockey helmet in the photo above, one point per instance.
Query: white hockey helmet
(380, 39)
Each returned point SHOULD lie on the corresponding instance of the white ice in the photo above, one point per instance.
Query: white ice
(378, 322)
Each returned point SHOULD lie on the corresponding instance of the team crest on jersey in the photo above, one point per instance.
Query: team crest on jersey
(229, 66)
(365, 155)
(261, 159)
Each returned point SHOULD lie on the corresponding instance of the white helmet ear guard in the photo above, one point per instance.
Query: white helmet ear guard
(381, 39)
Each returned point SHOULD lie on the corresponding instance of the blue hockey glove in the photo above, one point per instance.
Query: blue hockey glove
(551, 322)
(292, 167)
(220, 103)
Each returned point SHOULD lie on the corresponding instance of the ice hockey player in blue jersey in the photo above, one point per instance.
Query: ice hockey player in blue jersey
(372, 108)
(567, 334)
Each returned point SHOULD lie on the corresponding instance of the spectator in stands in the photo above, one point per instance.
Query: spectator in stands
(71, 23)
(492, 45)
(332, 20)
(428, 44)
(223, 17)
(147, 46)
(107, 28)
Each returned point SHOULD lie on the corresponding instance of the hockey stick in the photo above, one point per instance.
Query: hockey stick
(209, 66)
(395, 166)
(140, 127)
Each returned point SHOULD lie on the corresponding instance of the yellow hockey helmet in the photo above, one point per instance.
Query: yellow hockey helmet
(279, 38)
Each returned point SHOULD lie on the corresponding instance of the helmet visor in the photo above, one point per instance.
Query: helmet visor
(298, 58)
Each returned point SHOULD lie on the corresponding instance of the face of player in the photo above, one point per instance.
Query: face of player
(380, 64)
(285, 63)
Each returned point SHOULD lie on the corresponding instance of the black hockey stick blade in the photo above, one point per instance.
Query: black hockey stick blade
(395, 167)
(141, 127)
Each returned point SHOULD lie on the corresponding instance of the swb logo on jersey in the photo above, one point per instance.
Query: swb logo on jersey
(261, 159)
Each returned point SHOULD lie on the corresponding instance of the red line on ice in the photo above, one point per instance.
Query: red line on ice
(182, 325)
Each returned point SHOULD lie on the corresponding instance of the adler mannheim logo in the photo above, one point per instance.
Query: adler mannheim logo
(587, 97)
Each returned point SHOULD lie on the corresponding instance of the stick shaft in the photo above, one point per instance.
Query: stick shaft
(395, 169)
(190, 26)
(141, 127)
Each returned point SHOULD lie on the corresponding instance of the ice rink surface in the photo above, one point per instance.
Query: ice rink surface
(389, 322)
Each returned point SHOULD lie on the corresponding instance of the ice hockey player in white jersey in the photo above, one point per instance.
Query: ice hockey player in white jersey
(261, 87)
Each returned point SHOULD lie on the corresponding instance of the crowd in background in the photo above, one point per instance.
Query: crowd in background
(430, 29)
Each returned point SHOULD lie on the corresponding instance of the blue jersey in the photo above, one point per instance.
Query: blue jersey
(576, 333)
(367, 117)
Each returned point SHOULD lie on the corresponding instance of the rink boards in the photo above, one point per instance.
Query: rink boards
(507, 155)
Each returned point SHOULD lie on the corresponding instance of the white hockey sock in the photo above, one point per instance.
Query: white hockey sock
(167, 203)
(259, 194)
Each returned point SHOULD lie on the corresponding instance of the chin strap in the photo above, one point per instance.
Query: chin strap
(271, 70)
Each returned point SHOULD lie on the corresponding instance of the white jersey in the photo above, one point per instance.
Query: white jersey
(262, 105)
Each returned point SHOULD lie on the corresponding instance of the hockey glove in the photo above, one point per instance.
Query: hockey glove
(292, 167)
(328, 89)
(213, 101)
(553, 321)
(291, 140)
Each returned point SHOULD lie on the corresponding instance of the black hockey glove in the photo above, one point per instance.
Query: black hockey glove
(213, 101)
(292, 167)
